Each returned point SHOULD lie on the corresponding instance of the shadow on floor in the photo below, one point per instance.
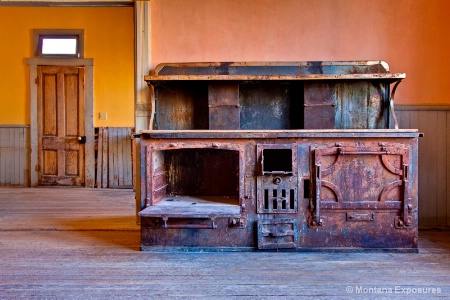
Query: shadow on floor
(118, 231)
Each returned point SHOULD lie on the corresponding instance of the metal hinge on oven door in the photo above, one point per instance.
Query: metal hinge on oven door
(315, 220)
(240, 222)
(405, 221)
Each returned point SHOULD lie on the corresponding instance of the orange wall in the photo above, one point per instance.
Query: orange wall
(412, 36)
(109, 40)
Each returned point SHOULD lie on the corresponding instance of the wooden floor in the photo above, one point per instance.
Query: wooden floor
(84, 244)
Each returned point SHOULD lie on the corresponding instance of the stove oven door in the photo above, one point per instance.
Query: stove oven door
(362, 192)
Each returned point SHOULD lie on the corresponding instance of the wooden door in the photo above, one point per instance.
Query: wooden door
(61, 125)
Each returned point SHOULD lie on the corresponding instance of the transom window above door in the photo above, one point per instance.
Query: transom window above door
(58, 43)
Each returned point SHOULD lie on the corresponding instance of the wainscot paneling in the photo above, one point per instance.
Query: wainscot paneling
(434, 160)
(114, 167)
(14, 155)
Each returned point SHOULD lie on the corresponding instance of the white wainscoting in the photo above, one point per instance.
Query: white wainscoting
(434, 160)
(114, 168)
(14, 155)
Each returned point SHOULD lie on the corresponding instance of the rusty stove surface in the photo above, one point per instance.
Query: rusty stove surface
(277, 156)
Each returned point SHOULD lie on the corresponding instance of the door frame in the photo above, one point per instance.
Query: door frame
(89, 154)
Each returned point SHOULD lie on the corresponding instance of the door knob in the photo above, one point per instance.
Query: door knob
(82, 139)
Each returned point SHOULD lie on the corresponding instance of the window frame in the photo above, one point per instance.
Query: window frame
(40, 34)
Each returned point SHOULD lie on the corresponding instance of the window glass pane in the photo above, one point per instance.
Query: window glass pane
(59, 46)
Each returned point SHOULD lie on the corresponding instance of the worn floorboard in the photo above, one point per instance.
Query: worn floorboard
(84, 244)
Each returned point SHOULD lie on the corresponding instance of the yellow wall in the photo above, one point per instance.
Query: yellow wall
(109, 40)
(412, 36)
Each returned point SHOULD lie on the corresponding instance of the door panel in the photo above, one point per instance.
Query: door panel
(61, 122)
(362, 181)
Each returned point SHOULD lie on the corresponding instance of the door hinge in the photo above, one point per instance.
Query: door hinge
(36, 80)
(37, 168)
